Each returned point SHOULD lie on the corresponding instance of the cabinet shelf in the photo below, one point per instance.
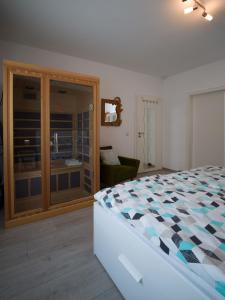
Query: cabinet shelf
(27, 154)
(29, 146)
(32, 128)
(38, 153)
(26, 146)
(27, 137)
(31, 119)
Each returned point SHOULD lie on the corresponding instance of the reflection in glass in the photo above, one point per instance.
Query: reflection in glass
(27, 143)
(110, 112)
(70, 141)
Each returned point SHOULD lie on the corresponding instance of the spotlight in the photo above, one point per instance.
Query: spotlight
(189, 9)
(196, 4)
(208, 17)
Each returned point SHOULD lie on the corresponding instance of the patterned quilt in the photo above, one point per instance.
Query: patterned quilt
(183, 213)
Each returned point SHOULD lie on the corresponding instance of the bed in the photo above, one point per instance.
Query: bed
(163, 237)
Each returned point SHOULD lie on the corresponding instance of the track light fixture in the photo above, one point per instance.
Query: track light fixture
(207, 16)
(194, 4)
(189, 9)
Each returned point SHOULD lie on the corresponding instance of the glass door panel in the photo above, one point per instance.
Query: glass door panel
(27, 143)
(71, 131)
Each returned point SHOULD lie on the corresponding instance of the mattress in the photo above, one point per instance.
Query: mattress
(182, 214)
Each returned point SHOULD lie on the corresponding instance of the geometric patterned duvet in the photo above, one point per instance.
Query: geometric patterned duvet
(183, 213)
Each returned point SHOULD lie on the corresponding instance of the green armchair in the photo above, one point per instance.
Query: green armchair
(111, 175)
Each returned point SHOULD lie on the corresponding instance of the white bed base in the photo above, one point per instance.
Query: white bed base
(137, 269)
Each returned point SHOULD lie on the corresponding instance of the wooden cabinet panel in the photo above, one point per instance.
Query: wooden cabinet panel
(51, 143)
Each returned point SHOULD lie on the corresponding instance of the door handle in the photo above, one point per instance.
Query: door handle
(140, 133)
(130, 268)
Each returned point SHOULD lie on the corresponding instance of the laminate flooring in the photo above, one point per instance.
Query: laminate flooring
(53, 259)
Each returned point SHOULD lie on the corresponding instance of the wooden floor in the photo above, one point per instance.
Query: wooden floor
(53, 259)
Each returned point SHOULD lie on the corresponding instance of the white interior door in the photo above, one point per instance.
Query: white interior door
(208, 129)
(148, 133)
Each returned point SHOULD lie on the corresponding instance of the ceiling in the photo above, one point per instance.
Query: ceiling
(149, 36)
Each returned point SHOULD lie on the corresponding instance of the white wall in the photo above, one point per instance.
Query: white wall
(113, 82)
(126, 84)
(208, 129)
(177, 109)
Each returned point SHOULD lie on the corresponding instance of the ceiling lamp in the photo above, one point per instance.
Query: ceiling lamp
(207, 16)
(194, 4)
(189, 9)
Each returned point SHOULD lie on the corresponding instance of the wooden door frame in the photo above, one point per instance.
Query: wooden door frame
(45, 74)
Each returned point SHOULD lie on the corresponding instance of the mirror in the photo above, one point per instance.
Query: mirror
(111, 111)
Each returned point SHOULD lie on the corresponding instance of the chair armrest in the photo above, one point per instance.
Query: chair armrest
(108, 174)
(114, 174)
(129, 161)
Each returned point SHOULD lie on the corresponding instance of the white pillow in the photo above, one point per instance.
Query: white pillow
(108, 157)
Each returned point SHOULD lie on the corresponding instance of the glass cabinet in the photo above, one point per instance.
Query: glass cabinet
(27, 143)
(71, 136)
(51, 124)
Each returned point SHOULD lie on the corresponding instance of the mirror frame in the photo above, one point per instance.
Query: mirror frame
(116, 101)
